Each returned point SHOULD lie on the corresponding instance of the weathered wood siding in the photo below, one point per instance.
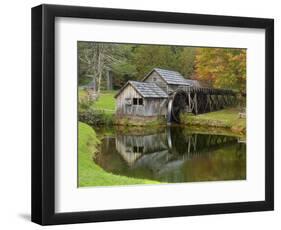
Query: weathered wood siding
(172, 88)
(157, 79)
(150, 107)
(126, 97)
(155, 106)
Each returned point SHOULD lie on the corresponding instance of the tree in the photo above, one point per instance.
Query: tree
(124, 69)
(148, 57)
(186, 61)
(222, 67)
(94, 59)
(129, 62)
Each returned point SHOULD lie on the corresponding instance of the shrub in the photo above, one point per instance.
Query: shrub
(95, 117)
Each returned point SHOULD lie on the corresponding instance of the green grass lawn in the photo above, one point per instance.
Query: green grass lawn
(98, 111)
(106, 101)
(89, 173)
(226, 118)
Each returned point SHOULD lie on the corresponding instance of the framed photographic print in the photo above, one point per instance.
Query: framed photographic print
(142, 114)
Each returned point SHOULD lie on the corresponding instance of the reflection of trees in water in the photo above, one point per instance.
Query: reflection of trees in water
(173, 142)
(165, 156)
(194, 143)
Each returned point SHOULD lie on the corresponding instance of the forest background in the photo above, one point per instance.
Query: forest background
(108, 66)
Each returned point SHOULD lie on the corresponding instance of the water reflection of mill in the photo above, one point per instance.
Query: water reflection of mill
(164, 153)
(169, 147)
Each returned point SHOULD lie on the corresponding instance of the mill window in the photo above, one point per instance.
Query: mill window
(137, 101)
(140, 101)
(138, 149)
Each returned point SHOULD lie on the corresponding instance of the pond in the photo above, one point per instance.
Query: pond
(172, 154)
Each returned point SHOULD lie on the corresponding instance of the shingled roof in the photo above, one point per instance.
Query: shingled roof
(199, 83)
(145, 89)
(193, 83)
(170, 77)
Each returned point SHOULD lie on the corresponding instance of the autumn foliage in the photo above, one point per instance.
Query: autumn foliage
(222, 67)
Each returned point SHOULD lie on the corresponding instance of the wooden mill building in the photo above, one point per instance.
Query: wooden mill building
(165, 93)
(149, 97)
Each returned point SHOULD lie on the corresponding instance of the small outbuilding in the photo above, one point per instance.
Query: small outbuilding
(141, 99)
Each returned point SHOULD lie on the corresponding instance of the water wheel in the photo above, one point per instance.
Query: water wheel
(177, 104)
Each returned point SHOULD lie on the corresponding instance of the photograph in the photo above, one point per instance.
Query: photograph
(141, 114)
(160, 113)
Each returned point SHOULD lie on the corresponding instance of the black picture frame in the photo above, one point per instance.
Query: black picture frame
(43, 114)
